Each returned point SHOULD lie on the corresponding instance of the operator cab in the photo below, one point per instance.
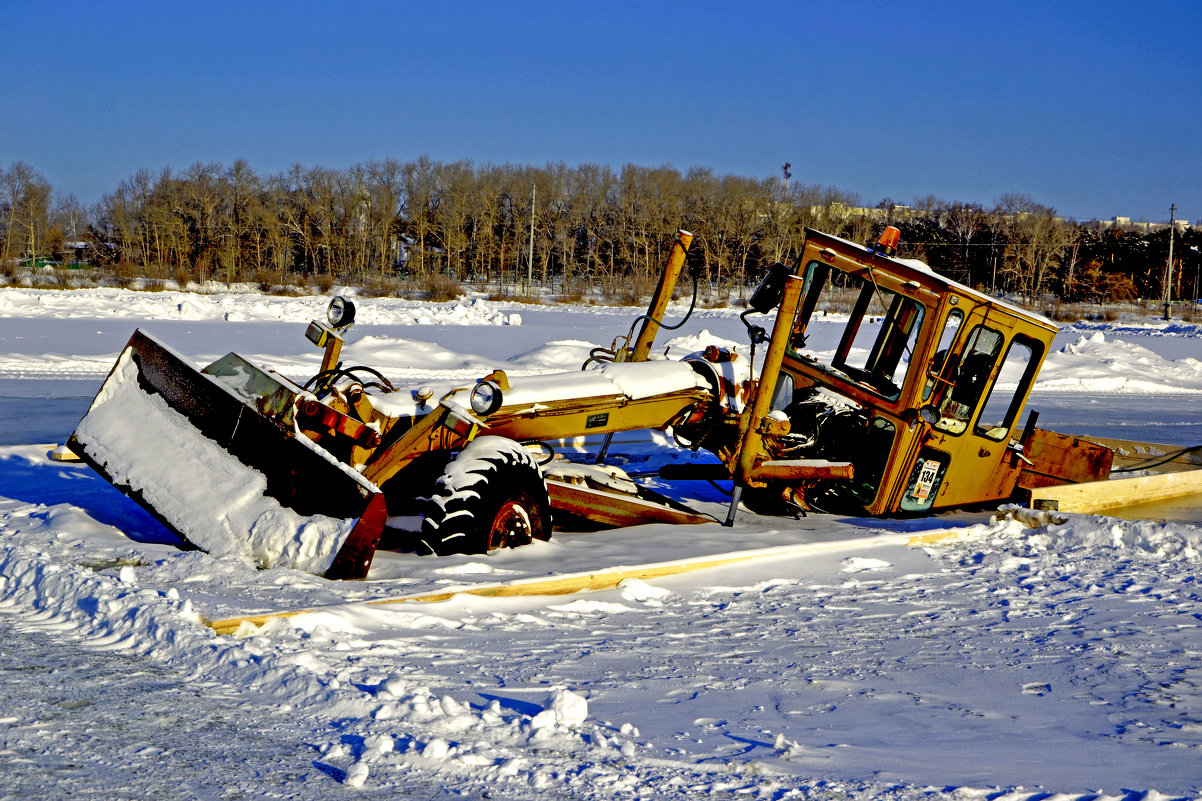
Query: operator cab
(904, 373)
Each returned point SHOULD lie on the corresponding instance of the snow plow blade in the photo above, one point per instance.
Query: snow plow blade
(610, 509)
(215, 456)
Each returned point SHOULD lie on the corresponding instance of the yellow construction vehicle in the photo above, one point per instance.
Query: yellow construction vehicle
(915, 409)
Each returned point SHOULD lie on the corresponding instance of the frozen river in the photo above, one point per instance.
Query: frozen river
(1055, 658)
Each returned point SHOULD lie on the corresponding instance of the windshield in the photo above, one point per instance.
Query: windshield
(874, 345)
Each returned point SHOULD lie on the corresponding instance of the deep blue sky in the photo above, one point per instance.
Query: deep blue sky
(1094, 108)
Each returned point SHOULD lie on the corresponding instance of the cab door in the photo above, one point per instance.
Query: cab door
(978, 392)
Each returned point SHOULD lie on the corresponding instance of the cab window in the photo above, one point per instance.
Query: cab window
(947, 338)
(967, 377)
(1005, 397)
(876, 345)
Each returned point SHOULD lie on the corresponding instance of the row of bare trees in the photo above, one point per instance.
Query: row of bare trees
(502, 223)
(575, 225)
(1022, 247)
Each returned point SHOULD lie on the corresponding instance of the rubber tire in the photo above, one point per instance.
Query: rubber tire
(492, 495)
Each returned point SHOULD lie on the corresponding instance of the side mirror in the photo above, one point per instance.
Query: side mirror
(768, 294)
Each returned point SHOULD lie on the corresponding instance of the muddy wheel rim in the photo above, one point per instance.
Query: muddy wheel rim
(510, 527)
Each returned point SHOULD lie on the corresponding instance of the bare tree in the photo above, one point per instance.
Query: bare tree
(423, 189)
(71, 216)
(452, 216)
(964, 222)
(26, 196)
(386, 187)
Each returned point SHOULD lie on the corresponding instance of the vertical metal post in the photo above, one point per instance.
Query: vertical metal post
(1168, 270)
(663, 293)
(735, 495)
(751, 450)
(609, 438)
(333, 350)
(530, 258)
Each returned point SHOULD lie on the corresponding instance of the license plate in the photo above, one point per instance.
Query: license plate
(926, 479)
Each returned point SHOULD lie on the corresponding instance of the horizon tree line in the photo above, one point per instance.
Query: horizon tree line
(380, 222)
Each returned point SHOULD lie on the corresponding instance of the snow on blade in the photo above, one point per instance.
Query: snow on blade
(219, 504)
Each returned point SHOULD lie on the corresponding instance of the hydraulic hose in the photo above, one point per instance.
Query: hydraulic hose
(1158, 461)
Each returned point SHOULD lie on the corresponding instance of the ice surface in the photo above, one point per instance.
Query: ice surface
(1024, 659)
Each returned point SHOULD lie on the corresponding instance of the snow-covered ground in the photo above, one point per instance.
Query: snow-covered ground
(1018, 659)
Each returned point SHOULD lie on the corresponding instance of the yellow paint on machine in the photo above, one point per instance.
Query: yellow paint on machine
(608, 578)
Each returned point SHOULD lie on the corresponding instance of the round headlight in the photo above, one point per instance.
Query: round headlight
(341, 312)
(486, 398)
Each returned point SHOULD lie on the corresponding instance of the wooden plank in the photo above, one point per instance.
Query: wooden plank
(1093, 497)
(607, 578)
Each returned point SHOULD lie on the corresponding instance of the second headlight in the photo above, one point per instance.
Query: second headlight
(485, 398)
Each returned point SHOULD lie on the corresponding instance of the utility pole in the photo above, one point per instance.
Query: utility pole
(530, 257)
(1193, 301)
(1168, 269)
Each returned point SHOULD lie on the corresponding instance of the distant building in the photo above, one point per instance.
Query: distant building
(1140, 226)
(897, 212)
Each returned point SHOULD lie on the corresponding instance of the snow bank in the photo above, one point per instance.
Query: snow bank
(1101, 364)
(1027, 653)
(236, 306)
(1028, 534)
(108, 606)
(561, 354)
(377, 728)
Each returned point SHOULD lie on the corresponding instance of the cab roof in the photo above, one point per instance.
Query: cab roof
(915, 269)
